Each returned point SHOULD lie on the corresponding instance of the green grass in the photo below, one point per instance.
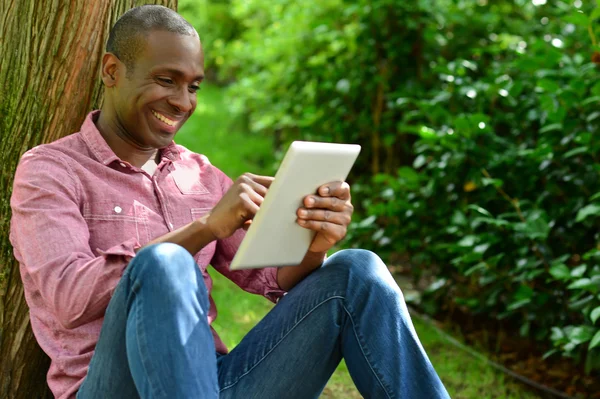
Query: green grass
(216, 131)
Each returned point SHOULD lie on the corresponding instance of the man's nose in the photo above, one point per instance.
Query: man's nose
(182, 100)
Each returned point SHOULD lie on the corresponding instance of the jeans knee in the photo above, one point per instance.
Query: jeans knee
(169, 265)
(367, 271)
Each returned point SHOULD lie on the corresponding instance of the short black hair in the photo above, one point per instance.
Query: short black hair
(127, 37)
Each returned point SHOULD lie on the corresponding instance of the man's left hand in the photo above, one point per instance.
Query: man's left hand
(328, 213)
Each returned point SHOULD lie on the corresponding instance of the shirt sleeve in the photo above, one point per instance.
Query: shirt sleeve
(256, 281)
(51, 241)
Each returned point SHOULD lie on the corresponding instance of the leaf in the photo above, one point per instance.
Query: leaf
(467, 241)
(459, 218)
(560, 272)
(550, 353)
(436, 285)
(595, 341)
(557, 334)
(595, 315)
(477, 267)
(595, 196)
(548, 85)
(495, 182)
(535, 227)
(480, 210)
(575, 151)
(578, 271)
(426, 132)
(595, 14)
(419, 161)
(480, 249)
(589, 210)
(551, 127)
(593, 116)
(578, 18)
(409, 174)
(591, 100)
(585, 284)
(368, 221)
(580, 334)
(580, 303)
(518, 304)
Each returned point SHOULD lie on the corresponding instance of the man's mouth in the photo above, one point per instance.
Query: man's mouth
(163, 118)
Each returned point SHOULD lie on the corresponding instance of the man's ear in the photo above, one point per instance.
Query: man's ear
(111, 67)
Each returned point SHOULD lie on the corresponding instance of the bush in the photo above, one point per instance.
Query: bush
(477, 121)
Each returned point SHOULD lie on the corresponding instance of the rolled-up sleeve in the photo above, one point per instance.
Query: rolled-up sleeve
(51, 241)
(256, 281)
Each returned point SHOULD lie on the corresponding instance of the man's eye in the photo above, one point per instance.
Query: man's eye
(194, 88)
(166, 80)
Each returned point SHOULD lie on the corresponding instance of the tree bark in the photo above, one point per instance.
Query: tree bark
(49, 80)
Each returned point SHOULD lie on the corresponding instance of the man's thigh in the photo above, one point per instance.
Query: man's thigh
(294, 350)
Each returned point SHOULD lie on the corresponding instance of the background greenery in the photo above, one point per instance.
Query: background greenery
(478, 121)
(216, 129)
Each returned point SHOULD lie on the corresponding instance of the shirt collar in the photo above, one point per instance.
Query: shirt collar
(101, 150)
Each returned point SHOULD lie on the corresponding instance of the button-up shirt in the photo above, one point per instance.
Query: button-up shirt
(80, 213)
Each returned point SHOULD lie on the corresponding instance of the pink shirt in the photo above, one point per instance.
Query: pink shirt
(79, 212)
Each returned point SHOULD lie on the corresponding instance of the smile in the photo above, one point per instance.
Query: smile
(163, 118)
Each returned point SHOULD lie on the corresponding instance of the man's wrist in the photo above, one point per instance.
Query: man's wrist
(314, 259)
(202, 228)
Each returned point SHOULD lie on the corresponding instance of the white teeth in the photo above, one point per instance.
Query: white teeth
(163, 118)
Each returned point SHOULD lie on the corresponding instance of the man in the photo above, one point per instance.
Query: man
(114, 227)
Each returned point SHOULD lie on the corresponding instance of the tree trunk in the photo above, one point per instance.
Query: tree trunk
(50, 54)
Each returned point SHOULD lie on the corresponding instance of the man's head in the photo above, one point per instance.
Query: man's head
(152, 68)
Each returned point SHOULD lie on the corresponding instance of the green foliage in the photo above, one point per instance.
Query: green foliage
(217, 134)
(478, 122)
(217, 131)
(218, 27)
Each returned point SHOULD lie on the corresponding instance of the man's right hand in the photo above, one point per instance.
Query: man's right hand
(239, 205)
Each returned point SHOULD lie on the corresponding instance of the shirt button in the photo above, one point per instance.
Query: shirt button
(123, 165)
(118, 209)
(170, 225)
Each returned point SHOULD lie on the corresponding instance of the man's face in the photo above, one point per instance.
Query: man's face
(156, 99)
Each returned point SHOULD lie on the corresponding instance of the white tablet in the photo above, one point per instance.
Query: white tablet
(274, 238)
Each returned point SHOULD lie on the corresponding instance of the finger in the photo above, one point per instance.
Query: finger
(331, 203)
(262, 180)
(341, 218)
(339, 189)
(255, 191)
(333, 232)
(251, 204)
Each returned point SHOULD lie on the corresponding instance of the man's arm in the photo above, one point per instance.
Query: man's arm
(241, 201)
(193, 236)
(51, 241)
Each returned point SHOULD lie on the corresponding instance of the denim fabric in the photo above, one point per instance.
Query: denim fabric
(156, 341)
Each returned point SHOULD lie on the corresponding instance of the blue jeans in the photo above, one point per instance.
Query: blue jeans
(156, 342)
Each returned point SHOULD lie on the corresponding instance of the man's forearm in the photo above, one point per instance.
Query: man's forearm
(193, 236)
(289, 276)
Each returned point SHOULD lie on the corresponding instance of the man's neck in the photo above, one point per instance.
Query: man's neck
(122, 148)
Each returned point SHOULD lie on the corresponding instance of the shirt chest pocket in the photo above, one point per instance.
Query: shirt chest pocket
(187, 180)
(111, 223)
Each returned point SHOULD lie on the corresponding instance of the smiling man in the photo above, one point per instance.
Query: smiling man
(115, 225)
